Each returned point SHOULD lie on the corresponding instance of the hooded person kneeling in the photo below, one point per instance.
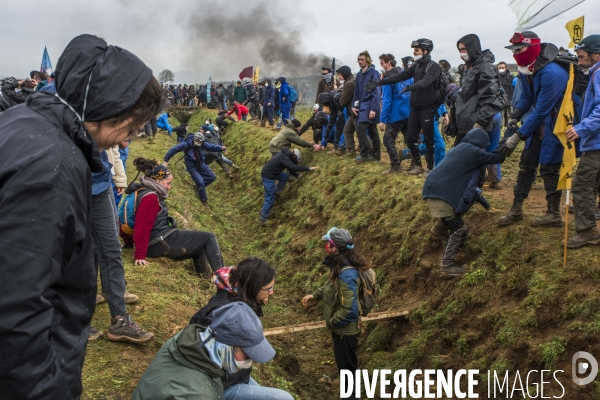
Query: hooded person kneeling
(451, 189)
(193, 362)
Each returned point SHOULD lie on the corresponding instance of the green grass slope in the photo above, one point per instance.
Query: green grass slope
(516, 308)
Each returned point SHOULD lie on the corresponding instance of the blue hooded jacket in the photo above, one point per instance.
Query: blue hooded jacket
(163, 123)
(101, 181)
(193, 153)
(543, 92)
(367, 101)
(395, 106)
(269, 95)
(284, 91)
(589, 127)
(453, 179)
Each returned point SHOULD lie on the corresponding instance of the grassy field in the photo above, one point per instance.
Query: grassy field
(516, 308)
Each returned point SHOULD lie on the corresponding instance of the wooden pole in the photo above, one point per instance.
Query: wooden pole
(321, 324)
(566, 227)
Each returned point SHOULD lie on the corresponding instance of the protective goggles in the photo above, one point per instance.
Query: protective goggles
(518, 38)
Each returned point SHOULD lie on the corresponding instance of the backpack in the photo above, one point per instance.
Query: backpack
(368, 291)
(443, 81)
(129, 206)
(293, 94)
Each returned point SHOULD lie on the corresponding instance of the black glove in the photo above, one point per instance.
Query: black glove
(372, 85)
(407, 88)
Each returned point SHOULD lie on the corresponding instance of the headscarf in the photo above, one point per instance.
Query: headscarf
(221, 280)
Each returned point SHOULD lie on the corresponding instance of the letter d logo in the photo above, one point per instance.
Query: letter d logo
(583, 367)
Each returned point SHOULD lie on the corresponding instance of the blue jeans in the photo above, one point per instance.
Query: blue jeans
(270, 190)
(253, 391)
(439, 146)
(227, 160)
(494, 170)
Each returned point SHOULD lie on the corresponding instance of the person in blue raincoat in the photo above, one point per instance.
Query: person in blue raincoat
(366, 105)
(285, 104)
(163, 122)
(268, 104)
(195, 163)
(544, 82)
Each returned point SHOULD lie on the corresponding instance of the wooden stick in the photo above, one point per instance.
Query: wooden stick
(566, 228)
(321, 324)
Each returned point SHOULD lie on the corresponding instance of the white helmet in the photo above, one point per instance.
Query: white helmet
(296, 152)
(316, 107)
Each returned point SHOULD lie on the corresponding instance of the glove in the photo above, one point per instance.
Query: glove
(407, 88)
(372, 85)
(513, 141)
(507, 145)
(481, 200)
(511, 123)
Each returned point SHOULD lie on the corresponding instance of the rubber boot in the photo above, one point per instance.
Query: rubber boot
(551, 218)
(449, 268)
(514, 214)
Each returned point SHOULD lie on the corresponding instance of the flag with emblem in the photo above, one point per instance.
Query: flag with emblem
(564, 122)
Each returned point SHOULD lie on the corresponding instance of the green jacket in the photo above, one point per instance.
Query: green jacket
(285, 138)
(180, 371)
(240, 95)
(340, 302)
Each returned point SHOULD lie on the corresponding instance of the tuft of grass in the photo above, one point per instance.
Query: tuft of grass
(551, 351)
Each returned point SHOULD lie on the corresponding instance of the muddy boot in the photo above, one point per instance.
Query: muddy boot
(416, 170)
(100, 298)
(449, 268)
(351, 153)
(440, 230)
(95, 334)
(514, 214)
(262, 123)
(395, 169)
(581, 240)
(411, 166)
(339, 152)
(551, 218)
(123, 329)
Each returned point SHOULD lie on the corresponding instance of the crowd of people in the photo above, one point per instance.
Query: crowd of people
(64, 144)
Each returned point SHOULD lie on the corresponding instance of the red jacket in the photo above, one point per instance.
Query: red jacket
(240, 110)
(145, 216)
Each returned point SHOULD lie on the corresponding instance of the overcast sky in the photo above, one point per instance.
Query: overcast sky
(198, 38)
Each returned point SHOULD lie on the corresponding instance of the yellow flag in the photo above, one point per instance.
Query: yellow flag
(255, 75)
(575, 29)
(564, 122)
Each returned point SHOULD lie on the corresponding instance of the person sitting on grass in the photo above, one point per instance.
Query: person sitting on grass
(339, 296)
(194, 363)
(273, 171)
(287, 136)
(155, 233)
(451, 190)
(251, 282)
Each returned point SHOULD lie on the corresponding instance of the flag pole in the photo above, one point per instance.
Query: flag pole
(566, 226)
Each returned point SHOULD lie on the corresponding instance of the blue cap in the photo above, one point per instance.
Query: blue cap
(237, 325)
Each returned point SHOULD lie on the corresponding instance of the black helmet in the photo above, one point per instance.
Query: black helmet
(424, 44)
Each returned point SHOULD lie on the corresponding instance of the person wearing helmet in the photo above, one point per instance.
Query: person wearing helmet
(424, 101)
(272, 172)
(543, 81)
(195, 163)
(588, 130)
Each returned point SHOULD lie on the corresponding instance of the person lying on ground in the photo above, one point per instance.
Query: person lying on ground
(48, 276)
(252, 282)
(448, 201)
(194, 363)
(154, 232)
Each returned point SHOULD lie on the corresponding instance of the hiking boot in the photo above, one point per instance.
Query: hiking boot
(130, 298)
(373, 159)
(95, 334)
(360, 160)
(411, 166)
(332, 151)
(393, 170)
(579, 240)
(514, 214)
(440, 230)
(339, 152)
(453, 271)
(495, 185)
(350, 153)
(416, 170)
(100, 298)
(551, 218)
(123, 329)
(229, 174)
(205, 204)
(424, 173)
(262, 222)
(234, 166)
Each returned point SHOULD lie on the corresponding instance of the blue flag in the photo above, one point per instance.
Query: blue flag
(208, 86)
(46, 63)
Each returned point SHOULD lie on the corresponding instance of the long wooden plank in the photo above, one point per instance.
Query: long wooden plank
(321, 324)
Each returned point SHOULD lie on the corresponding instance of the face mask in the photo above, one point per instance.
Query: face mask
(585, 71)
(525, 70)
(341, 82)
(243, 364)
(417, 58)
(502, 71)
(266, 85)
(464, 56)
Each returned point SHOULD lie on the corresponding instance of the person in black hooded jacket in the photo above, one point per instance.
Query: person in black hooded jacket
(50, 144)
(451, 189)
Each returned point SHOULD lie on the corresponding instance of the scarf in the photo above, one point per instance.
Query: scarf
(528, 57)
(152, 184)
(221, 280)
(327, 77)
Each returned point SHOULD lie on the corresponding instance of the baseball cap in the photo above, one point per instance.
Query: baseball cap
(339, 237)
(524, 39)
(235, 324)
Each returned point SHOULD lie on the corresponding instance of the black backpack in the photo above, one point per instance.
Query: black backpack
(440, 88)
